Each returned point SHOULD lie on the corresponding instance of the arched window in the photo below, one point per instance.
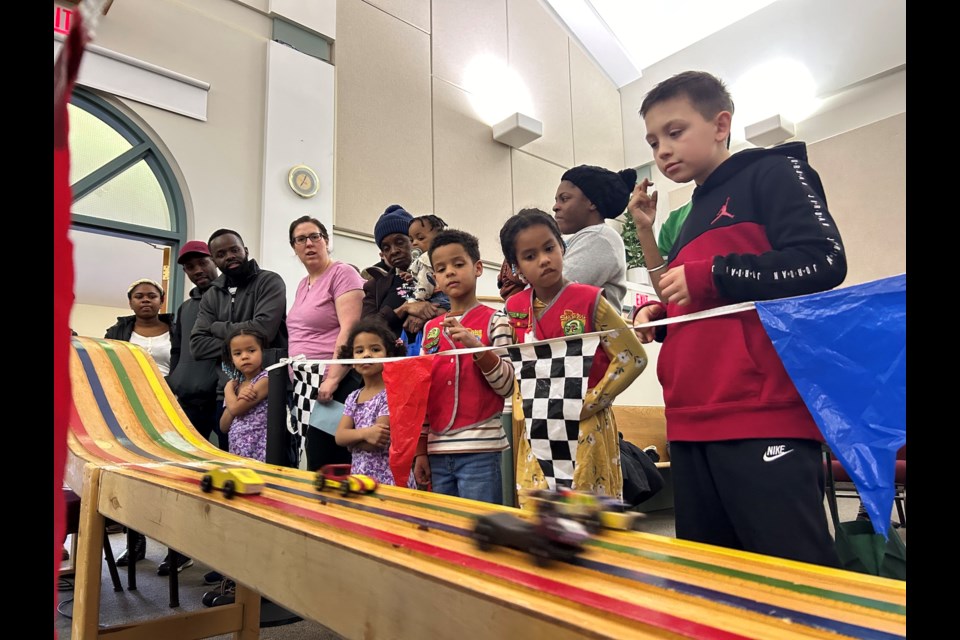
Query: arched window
(122, 187)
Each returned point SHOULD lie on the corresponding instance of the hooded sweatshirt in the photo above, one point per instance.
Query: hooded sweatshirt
(759, 229)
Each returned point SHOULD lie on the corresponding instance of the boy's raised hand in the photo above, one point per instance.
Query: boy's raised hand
(643, 207)
(673, 286)
(458, 333)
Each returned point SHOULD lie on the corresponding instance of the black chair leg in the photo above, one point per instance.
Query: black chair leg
(903, 518)
(174, 584)
(132, 559)
(111, 563)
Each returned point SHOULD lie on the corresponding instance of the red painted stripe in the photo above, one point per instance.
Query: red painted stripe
(80, 431)
(539, 583)
(604, 603)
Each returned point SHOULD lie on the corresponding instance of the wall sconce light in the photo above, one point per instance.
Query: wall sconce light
(517, 130)
(770, 131)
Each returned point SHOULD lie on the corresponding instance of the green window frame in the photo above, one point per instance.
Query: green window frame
(142, 149)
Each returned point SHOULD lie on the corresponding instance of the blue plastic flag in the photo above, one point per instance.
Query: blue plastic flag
(846, 352)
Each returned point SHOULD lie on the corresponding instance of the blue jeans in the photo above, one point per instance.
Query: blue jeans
(476, 476)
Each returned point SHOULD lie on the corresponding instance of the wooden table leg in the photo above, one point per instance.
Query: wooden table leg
(86, 589)
(250, 601)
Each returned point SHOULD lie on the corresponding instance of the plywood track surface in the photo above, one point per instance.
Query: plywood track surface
(402, 562)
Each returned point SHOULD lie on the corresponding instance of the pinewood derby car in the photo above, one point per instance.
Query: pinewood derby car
(232, 480)
(552, 538)
(592, 511)
(338, 476)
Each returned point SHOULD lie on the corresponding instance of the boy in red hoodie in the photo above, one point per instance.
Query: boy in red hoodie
(745, 452)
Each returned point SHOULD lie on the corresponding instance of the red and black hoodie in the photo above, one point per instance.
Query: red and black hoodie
(759, 229)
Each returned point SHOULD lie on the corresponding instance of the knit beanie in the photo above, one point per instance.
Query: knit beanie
(608, 191)
(394, 219)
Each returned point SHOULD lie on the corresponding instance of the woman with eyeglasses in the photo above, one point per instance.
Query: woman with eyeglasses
(326, 307)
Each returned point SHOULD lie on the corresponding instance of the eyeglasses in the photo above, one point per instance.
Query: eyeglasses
(313, 237)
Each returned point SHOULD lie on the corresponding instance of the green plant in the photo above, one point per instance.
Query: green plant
(631, 244)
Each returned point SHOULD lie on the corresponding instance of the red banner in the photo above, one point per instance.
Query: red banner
(64, 75)
(408, 386)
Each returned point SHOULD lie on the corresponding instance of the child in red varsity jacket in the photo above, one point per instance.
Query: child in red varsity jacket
(745, 452)
(462, 445)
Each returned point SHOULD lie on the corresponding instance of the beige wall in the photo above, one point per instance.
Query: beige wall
(407, 131)
(863, 173)
(93, 321)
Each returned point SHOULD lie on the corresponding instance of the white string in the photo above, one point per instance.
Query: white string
(699, 315)
(300, 361)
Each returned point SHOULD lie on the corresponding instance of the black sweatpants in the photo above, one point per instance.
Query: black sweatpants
(760, 495)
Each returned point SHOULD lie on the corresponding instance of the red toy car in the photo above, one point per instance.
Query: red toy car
(338, 476)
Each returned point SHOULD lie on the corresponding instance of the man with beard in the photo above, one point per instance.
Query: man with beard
(244, 296)
(382, 297)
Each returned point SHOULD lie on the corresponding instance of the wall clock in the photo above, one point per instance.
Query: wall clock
(303, 180)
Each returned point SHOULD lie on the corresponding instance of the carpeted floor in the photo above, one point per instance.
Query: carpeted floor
(151, 599)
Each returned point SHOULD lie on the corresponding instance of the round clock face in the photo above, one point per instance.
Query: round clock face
(303, 180)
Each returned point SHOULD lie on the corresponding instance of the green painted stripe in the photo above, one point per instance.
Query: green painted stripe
(838, 596)
(649, 555)
(134, 401)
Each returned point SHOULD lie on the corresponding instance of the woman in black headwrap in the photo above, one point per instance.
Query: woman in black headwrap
(586, 197)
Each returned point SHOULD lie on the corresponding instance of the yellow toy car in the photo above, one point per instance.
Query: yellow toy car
(338, 476)
(232, 480)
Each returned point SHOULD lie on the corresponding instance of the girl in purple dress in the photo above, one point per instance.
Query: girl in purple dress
(364, 428)
(245, 398)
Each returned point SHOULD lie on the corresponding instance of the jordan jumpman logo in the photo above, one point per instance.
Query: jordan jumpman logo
(723, 212)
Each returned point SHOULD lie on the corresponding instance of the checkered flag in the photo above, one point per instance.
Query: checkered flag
(553, 380)
(306, 384)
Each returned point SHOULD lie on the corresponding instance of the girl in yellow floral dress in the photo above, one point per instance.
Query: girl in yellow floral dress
(553, 307)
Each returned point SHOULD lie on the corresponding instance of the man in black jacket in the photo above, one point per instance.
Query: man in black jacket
(244, 296)
(195, 381)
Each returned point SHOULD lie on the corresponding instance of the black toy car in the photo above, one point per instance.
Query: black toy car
(552, 538)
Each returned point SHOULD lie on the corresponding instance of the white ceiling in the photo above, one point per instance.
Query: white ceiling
(842, 43)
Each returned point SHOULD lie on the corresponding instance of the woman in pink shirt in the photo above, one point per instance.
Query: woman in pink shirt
(326, 306)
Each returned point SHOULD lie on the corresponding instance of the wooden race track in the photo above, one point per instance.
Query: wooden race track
(401, 564)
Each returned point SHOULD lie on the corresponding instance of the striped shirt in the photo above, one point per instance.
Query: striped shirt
(489, 435)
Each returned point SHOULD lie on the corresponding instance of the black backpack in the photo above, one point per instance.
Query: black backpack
(641, 478)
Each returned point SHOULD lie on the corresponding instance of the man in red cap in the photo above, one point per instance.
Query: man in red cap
(194, 382)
